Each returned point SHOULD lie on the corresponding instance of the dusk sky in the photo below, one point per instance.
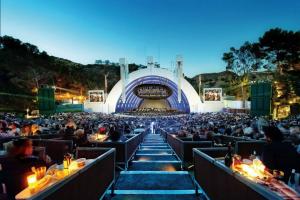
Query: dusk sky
(200, 30)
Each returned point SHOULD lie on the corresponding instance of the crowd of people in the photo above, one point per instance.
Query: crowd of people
(278, 154)
(199, 126)
(67, 125)
(282, 137)
(17, 156)
(18, 162)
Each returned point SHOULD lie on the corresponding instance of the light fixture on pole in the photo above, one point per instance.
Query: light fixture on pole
(105, 85)
(27, 112)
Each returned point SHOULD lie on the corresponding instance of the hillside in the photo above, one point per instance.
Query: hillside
(222, 79)
(24, 68)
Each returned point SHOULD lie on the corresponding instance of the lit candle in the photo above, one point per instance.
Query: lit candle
(31, 180)
(98, 136)
(65, 163)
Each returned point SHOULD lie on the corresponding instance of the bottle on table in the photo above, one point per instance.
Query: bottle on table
(228, 157)
(67, 160)
(253, 155)
(297, 187)
(292, 181)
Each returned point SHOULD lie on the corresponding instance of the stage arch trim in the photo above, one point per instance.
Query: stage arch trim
(133, 101)
(190, 100)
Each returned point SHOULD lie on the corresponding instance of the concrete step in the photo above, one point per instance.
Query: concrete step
(155, 141)
(153, 144)
(155, 181)
(154, 147)
(155, 166)
(159, 196)
(153, 137)
(152, 157)
(154, 174)
(155, 151)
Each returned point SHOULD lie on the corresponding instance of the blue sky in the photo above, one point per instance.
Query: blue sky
(200, 30)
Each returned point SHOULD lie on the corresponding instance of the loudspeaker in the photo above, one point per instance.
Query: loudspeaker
(295, 109)
(261, 99)
(46, 99)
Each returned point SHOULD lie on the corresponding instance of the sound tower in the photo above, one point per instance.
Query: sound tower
(261, 99)
(46, 100)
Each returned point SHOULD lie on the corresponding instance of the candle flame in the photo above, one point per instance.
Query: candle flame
(31, 180)
(254, 170)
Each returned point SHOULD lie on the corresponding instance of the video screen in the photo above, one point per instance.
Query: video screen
(96, 96)
(152, 91)
(212, 94)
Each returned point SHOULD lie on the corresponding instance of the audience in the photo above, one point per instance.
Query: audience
(17, 166)
(281, 152)
(279, 155)
(186, 125)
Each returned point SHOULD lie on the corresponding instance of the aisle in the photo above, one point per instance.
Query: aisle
(155, 173)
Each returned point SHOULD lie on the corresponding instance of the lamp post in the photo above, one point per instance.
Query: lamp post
(199, 86)
(105, 86)
(27, 112)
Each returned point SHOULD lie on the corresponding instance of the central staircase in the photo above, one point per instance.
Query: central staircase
(155, 173)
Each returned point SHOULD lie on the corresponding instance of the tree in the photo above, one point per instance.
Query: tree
(280, 49)
(32, 49)
(107, 62)
(44, 55)
(277, 51)
(10, 43)
(242, 62)
(99, 62)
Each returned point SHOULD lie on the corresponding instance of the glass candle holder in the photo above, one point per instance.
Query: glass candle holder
(31, 180)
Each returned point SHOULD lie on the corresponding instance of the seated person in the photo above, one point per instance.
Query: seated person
(87, 129)
(26, 130)
(80, 138)
(61, 130)
(228, 131)
(279, 155)
(115, 134)
(4, 131)
(16, 166)
(69, 133)
(295, 137)
(127, 129)
(102, 130)
(182, 134)
(35, 129)
(196, 137)
(71, 123)
(210, 136)
(14, 129)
